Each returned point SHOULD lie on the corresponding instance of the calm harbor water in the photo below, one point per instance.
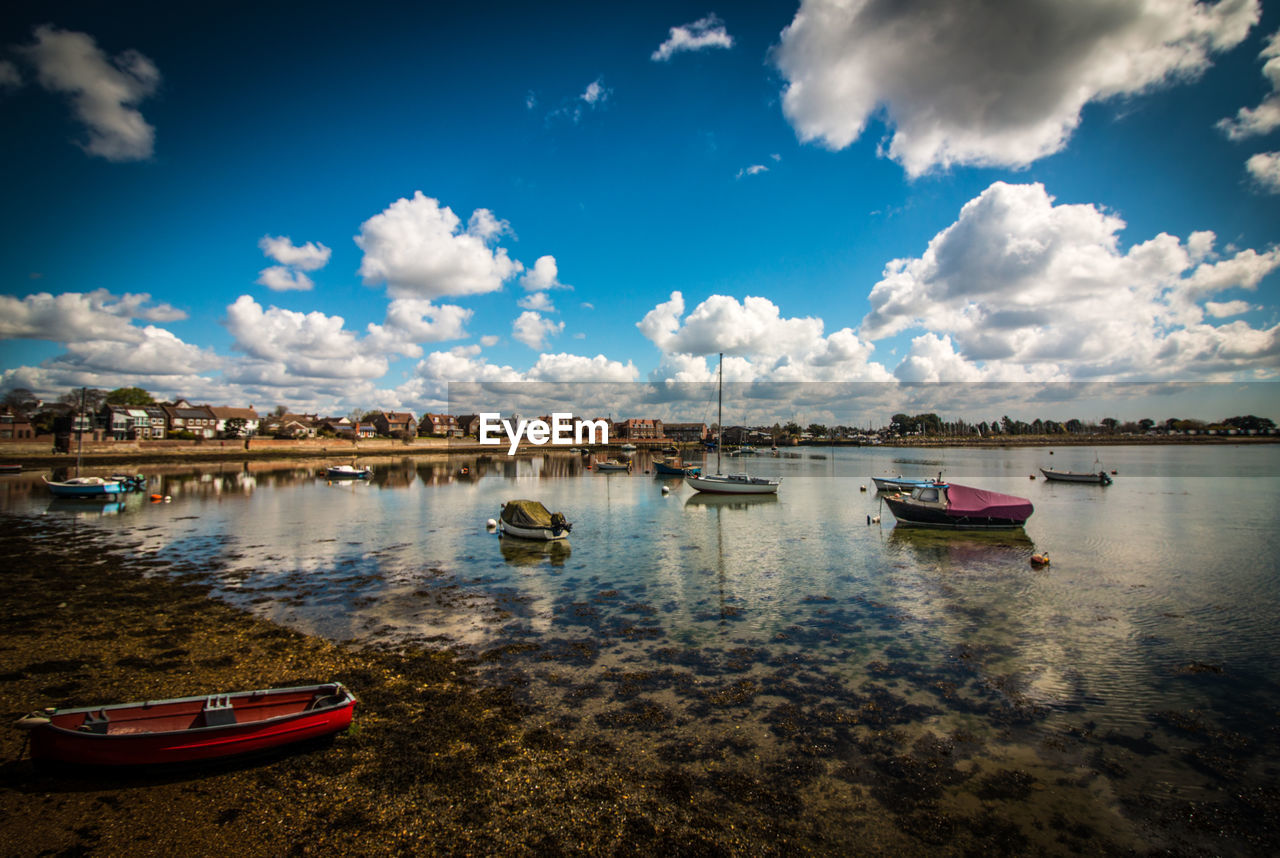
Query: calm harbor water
(890, 678)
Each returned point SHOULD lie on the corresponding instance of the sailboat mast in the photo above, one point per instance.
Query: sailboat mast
(720, 415)
(80, 428)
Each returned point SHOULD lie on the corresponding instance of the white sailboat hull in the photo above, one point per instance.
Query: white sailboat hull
(734, 484)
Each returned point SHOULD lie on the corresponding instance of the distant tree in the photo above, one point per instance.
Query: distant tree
(1251, 423)
(1146, 424)
(21, 401)
(1110, 423)
(1074, 426)
(133, 396)
(817, 430)
(235, 427)
(791, 428)
(92, 397)
(281, 410)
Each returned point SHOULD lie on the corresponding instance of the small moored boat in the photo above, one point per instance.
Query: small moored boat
(529, 519)
(348, 472)
(189, 729)
(10, 469)
(613, 465)
(674, 468)
(1098, 479)
(899, 484)
(83, 487)
(957, 506)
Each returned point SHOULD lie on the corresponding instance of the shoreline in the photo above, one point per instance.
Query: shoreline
(209, 453)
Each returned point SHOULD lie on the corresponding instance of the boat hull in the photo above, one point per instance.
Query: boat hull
(915, 515)
(733, 485)
(148, 734)
(539, 534)
(1100, 479)
(890, 484)
(103, 489)
(665, 470)
(347, 473)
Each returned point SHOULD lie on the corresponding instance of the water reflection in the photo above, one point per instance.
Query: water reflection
(531, 552)
(960, 548)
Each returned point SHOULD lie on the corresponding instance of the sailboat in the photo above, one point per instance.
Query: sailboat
(78, 486)
(730, 484)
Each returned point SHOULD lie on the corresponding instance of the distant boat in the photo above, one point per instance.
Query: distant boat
(348, 472)
(1101, 478)
(670, 450)
(961, 507)
(529, 519)
(189, 729)
(10, 469)
(674, 468)
(628, 448)
(83, 487)
(729, 484)
(898, 484)
(612, 465)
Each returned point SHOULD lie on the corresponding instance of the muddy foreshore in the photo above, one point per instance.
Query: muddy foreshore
(439, 762)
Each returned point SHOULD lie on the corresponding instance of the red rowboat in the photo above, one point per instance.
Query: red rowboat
(189, 729)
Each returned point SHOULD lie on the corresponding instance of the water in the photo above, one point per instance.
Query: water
(909, 674)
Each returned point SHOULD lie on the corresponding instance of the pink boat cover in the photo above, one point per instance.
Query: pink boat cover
(966, 500)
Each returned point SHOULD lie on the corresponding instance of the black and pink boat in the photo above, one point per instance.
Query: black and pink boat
(960, 507)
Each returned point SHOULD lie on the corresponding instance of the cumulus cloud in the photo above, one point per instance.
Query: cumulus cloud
(311, 256)
(1265, 170)
(103, 91)
(281, 278)
(783, 349)
(542, 276)
(753, 170)
(537, 301)
(411, 321)
(533, 330)
(708, 32)
(421, 250)
(1007, 88)
(75, 316)
(595, 93)
(285, 344)
(1250, 122)
(288, 275)
(157, 353)
(1021, 285)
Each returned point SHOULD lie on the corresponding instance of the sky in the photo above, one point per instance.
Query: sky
(340, 208)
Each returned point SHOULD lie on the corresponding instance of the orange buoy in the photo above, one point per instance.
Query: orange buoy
(157, 498)
(1040, 559)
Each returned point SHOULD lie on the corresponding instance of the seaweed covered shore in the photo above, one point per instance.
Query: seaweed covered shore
(435, 763)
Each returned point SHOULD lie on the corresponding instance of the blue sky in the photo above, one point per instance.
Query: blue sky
(824, 191)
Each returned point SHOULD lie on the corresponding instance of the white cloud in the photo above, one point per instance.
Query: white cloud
(157, 353)
(103, 92)
(754, 330)
(1021, 285)
(75, 316)
(533, 330)
(542, 276)
(419, 249)
(311, 256)
(1250, 122)
(957, 87)
(708, 32)
(567, 367)
(285, 345)
(411, 321)
(753, 170)
(595, 93)
(537, 301)
(490, 341)
(281, 278)
(1265, 170)
(1227, 309)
